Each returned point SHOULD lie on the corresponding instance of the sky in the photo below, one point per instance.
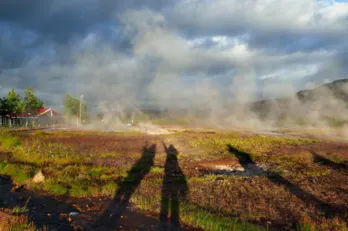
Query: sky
(185, 53)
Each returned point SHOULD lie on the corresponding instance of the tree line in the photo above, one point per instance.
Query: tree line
(14, 103)
(74, 106)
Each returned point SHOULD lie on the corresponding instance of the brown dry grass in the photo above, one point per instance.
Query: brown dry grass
(12, 222)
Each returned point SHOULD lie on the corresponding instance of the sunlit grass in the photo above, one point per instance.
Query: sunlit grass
(197, 216)
(253, 144)
(8, 141)
(213, 202)
(19, 173)
(21, 209)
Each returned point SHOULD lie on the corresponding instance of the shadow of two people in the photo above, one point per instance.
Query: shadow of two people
(174, 188)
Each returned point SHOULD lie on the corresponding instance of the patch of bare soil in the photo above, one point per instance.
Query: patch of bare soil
(111, 146)
(229, 167)
(151, 129)
(220, 166)
(97, 143)
(6, 220)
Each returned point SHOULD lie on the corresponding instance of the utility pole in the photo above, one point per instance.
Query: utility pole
(81, 97)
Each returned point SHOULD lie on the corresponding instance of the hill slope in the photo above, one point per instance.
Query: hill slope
(328, 101)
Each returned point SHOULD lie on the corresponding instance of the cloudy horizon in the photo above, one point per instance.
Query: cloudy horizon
(185, 52)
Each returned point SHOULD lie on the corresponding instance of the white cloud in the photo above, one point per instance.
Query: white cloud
(231, 16)
(292, 72)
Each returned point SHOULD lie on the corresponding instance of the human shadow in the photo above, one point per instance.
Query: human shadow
(46, 213)
(327, 209)
(111, 216)
(174, 189)
(329, 163)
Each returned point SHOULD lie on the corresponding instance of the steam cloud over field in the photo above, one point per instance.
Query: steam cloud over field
(174, 115)
(210, 59)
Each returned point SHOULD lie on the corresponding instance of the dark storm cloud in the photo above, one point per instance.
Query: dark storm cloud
(15, 45)
(153, 49)
(59, 20)
(56, 21)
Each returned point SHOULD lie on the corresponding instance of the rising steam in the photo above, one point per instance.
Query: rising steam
(214, 82)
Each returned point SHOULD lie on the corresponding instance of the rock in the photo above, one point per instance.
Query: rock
(38, 178)
(229, 168)
(73, 214)
(18, 188)
(239, 169)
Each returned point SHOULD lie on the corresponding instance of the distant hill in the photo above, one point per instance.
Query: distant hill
(338, 89)
(327, 101)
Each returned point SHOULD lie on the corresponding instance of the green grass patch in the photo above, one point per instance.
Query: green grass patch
(198, 217)
(252, 144)
(21, 227)
(109, 189)
(41, 134)
(21, 209)
(55, 188)
(157, 171)
(80, 191)
(216, 146)
(40, 153)
(9, 141)
(19, 173)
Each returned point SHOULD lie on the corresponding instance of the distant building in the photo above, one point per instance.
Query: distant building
(40, 117)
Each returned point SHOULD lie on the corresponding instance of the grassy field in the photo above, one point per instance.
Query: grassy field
(282, 184)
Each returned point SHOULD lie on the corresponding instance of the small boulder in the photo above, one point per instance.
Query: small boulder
(239, 169)
(73, 214)
(18, 188)
(38, 178)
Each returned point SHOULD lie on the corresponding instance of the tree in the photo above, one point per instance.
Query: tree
(14, 103)
(31, 102)
(4, 107)
(72, 107)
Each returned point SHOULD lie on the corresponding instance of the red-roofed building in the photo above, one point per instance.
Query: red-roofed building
(37, 113)
(41, 116)
(43, 111)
